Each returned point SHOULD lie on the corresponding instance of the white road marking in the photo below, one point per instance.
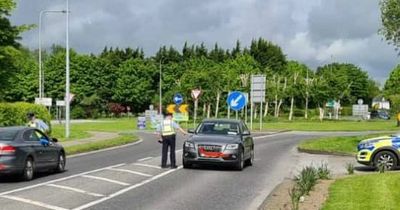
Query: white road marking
(143, 159)
(75, 190)
(147, 165)
(36, 203)
(105, 179)
(130, 171)
(57, 180)
(126, 189)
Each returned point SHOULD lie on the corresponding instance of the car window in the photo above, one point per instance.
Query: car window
(7, 135)
(244, 128)
(31, 135)
(224, 128)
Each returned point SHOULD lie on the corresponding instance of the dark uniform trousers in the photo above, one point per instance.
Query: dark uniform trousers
(168, 141)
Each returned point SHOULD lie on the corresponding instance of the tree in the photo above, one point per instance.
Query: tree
(390, 16)
(268, 55)
(392, 88)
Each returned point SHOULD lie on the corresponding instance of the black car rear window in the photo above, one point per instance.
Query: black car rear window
(7, 135)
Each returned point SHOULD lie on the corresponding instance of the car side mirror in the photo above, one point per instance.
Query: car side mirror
(190, 130)
(246, 133)
(54, 139)
(44, 142)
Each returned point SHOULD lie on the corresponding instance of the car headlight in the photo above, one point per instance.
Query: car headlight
(232, 146)
(189, 144)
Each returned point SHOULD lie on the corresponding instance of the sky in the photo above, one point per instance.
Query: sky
(314, 32)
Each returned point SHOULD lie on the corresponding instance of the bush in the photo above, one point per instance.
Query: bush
(78, 113)
(14, 114)
(350, 168)
(346, 111)
(323, 171)
(307, 179)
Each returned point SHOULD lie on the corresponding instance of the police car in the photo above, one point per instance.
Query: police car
(380, 151)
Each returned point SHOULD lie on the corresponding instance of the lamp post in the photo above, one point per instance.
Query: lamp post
(160, 108)
(67, 94)
(41, 73)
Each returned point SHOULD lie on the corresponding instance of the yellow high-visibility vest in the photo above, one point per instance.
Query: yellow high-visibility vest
(167, 128)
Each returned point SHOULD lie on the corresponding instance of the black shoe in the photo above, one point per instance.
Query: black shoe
(174, 167)
(164, 167)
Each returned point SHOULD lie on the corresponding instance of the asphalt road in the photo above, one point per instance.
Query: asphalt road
(130, 178)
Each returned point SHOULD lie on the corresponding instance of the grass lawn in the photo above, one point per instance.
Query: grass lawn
(375, 191)
(345, 144)
(301, 125)
(79, 130)
(122, 139)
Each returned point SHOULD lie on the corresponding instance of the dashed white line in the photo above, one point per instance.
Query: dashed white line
(130, 171)
(61, 179)
(36, 203)
(106, 180)
(75, 190)
(144, 159)
(126, 189)
(147, 165)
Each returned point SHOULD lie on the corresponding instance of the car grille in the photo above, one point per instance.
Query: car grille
(210, 148)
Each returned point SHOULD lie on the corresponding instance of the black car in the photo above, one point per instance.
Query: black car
(25, 150)
(219, 141)
(380, 114)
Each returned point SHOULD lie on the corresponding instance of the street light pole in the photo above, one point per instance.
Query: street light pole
(41, 73)
(160, 108)
(67, 94)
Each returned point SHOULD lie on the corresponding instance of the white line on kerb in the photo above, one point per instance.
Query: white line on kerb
(130, 171)
(105, 179)
(126, 189)
(36, 203)
(266, 136)
(143, 159)
(147, 165)
(75, 190)
(57, 180)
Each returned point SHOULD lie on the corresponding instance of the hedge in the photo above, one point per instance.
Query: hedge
(14, 114)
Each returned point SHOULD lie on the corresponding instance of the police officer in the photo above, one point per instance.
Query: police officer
(37, 123)
(167, 135)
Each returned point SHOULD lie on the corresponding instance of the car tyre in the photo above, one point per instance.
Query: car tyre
(250, 161)
(61, 163)
(387, 158)
(240, 162)
(29, 169)
(186, 164)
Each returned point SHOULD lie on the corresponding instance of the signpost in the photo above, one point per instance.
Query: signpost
(195, 95)
(257, 95)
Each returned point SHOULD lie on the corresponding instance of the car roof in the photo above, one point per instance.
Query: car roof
(222, 120)
(14, 128)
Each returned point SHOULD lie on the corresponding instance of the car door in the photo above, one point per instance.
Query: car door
(247, 139)
(32, 140)
(50, 150)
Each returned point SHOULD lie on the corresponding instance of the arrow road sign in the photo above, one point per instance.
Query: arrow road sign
(236, 100)
(178, 98)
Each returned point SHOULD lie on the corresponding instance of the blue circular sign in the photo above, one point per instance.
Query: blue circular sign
(178, 98)
(236, 100)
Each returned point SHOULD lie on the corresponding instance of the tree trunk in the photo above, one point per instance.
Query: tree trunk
(204, 109)
(266, 108)
(291, 109)
(208, 110)
(281, 100)
(306, 109)
(255, 111)
(217, 104)
(321, 113)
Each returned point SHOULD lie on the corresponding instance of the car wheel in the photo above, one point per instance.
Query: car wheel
(61, 163)
(386, 159)
(186, 164)
(240, 162)
(250, 161)
(29, 169)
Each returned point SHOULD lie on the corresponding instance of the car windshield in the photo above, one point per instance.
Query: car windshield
(219, 128)
(7, 135)
(395, 135)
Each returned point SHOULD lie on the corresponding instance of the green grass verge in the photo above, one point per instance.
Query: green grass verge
(342, 144)
(121, 140)
(380, 125)
(376, 191)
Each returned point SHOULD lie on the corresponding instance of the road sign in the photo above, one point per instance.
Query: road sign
(178, 98)
(183, 108)
(236, 100)
(141, 123)
(43, 101)
(60, 103)
(171, 108)
(257, 93)
(181, 117)
(196, 93)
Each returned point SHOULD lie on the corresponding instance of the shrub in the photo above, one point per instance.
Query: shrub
(295, 195)
(307, 179)
(14, 114)
(78, 113)
(116, 109)
(323, 172)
